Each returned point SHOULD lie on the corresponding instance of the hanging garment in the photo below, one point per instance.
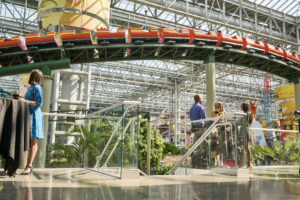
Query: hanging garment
(15, 133)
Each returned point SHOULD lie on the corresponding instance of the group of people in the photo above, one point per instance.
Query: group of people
(197, 112)
(34, 98)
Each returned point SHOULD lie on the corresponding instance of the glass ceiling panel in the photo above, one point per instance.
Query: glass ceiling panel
(290, 7)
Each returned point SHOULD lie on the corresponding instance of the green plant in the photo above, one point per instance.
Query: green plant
(287, 153)
(91, 142)
(170, 149)
(260, 154)
(164, 170)
(292, 150)
(183, 150)
(157, 146)
(72, 155)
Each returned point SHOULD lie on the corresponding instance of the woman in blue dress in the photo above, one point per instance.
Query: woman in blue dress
(34, 98)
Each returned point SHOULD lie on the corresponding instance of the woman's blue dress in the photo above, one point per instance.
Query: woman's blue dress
(35, 93)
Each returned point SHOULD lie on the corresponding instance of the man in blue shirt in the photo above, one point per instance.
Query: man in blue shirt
(197, 111)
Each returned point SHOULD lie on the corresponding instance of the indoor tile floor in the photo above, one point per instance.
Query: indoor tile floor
(71, 184)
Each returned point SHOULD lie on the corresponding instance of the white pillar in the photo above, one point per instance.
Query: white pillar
(171, 113)
(70, 87)
(210, 85)
(88, 87)
(87, 107)
(69, 91)
(54, 105)
(177, 116)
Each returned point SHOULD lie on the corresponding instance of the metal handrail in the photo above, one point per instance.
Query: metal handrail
(214, 118)
(132, 103)
(273, 130)
(195, 146)
(202, 138)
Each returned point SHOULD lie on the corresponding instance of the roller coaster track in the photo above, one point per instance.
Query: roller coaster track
(48, 59)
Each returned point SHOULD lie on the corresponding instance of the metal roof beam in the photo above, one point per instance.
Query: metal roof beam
(218, 18)
(126, 15)
(14, 26)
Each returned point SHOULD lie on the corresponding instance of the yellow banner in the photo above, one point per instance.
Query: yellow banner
(289, 117)
(288, 107)
(71, 19)
(25, 78)
(291, 137)
(285, 92)
(95, 15)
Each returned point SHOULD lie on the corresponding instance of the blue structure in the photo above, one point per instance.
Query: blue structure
(268, 104)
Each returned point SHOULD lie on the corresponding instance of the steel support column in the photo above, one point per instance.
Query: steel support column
(210, 85)
(177, 131)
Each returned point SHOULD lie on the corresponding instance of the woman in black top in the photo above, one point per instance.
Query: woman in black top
(249, 120)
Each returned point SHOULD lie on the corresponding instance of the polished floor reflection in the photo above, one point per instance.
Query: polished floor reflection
(70, 184)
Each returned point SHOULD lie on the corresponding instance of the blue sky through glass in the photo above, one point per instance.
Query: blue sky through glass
(290, 7)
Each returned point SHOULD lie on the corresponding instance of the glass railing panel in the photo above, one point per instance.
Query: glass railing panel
(105, 140)
(117, 135)
(130, 139)
(109, 130)
(222, 147)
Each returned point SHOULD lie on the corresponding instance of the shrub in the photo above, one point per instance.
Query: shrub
(164, 170)
(171, 149)
(280, 154)
(157, 147)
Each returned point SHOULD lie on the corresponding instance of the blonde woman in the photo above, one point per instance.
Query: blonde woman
(219, 109)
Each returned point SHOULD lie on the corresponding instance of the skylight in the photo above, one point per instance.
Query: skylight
(290, 7)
